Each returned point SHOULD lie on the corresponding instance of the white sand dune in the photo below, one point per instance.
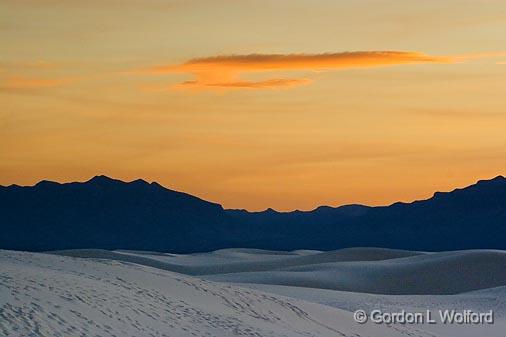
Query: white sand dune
(239, 260)
(260, 293)
(478, 301)
(50, 295)
(432, 273)
(365, 270)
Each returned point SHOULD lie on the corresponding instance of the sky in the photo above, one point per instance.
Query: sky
(256, 104)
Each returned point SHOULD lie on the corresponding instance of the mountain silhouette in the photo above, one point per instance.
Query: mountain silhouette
(111, 214)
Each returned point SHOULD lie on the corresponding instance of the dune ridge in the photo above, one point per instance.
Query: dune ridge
(424, 274)
(238, 260)
(364, 270)
(47, 295)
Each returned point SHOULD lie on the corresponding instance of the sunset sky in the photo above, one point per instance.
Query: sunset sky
(256, 104)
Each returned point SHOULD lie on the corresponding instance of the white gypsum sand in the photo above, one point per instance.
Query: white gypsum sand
(244, 292)
(49, 295)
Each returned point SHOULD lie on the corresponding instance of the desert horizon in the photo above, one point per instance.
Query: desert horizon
(106, 257)
(106, 177)
(267, 168)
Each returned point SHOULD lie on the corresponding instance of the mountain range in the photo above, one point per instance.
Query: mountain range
(107, 213)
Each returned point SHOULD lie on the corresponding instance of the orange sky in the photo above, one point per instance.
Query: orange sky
(256, 104)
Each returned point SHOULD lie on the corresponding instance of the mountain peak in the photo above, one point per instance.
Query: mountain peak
(271, 211)
(497, 182)
(499, 178)
(102, 179)
(139, 182)
(105, 180)
(46, 183)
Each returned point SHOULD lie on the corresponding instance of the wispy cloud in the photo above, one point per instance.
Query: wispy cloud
(265, 62)
(223, 71)
(267, 84)
(478, 56)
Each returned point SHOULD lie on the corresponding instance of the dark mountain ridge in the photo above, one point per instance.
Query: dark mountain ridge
(111, 214)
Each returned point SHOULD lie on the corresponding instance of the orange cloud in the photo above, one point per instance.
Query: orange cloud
(267, 84)
(223, 71)
(263, 62)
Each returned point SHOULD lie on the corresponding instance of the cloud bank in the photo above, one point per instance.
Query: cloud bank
(223, 71)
